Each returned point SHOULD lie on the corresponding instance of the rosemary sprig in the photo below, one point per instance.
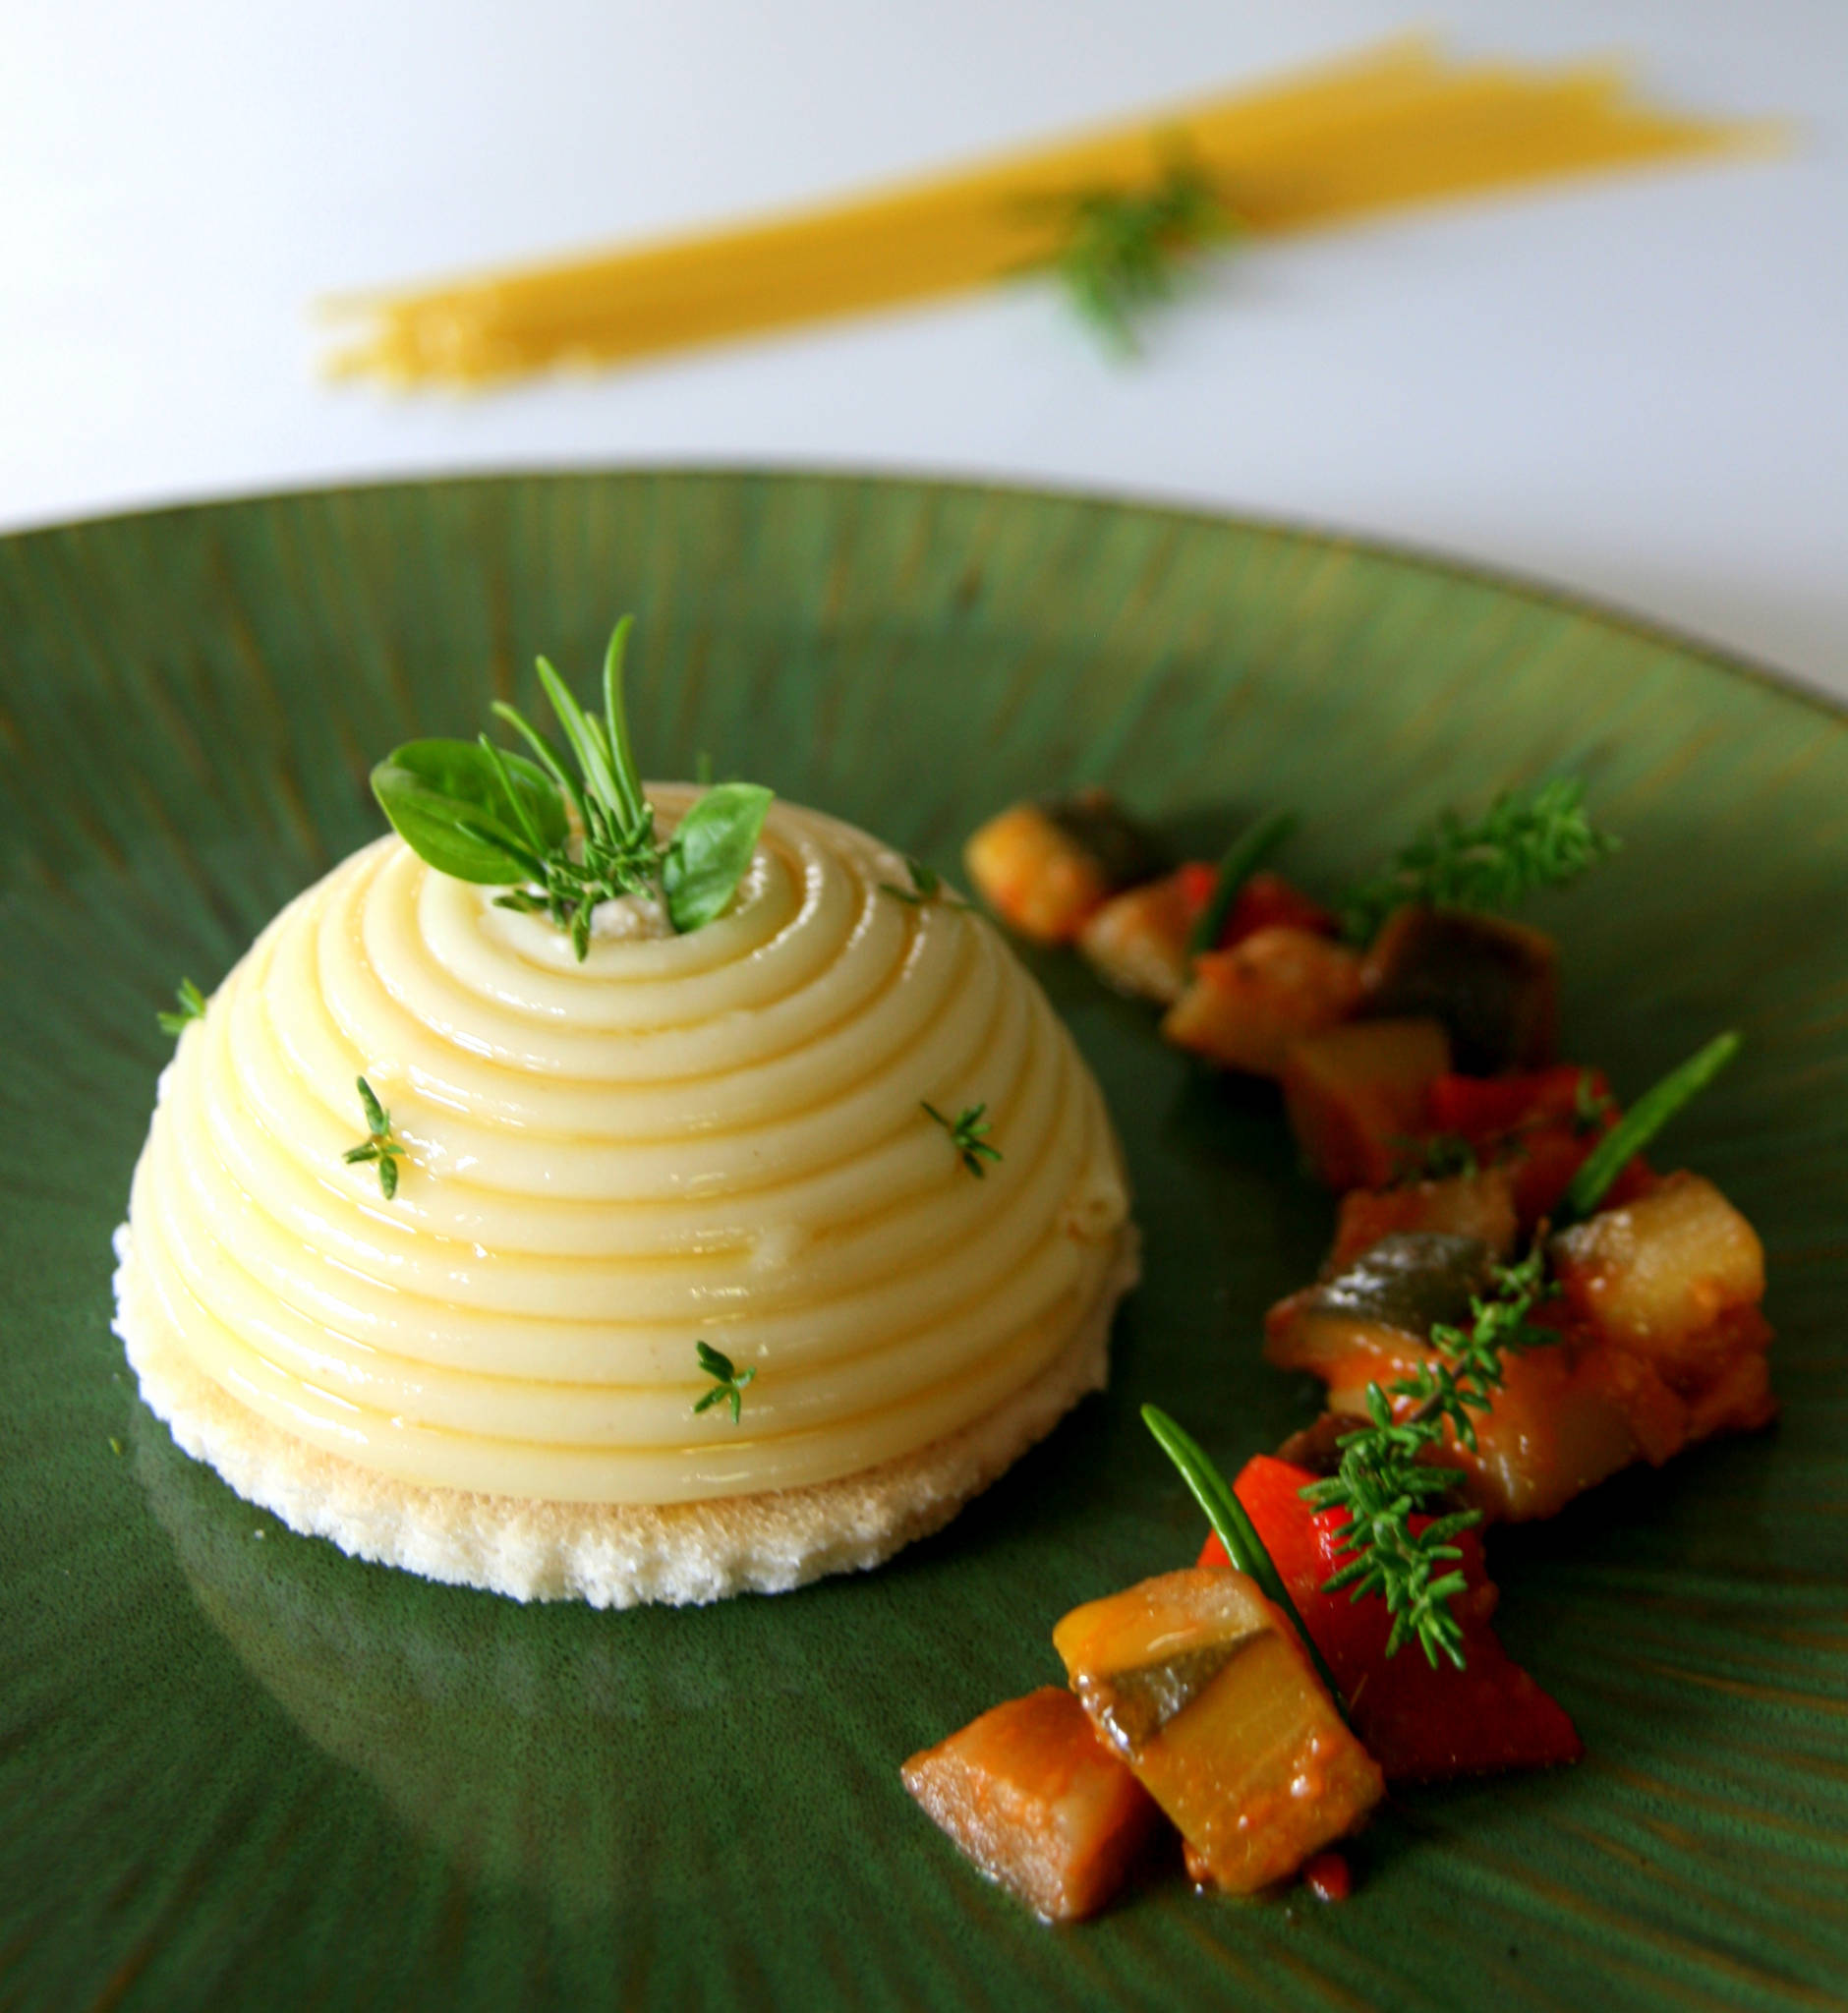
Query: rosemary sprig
(729, 1380)
(1525, 842)
(378, 1145)
(968, 1133)
(1243, 858)
(1640, 1123)
(1125, 246)
(1384, 1479)
(566, 828)
(192, 1007)
(1236, 1530)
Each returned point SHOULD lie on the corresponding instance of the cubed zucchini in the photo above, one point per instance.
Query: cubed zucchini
(1204, 1690)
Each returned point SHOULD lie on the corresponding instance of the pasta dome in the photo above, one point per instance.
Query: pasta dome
(722, 1138)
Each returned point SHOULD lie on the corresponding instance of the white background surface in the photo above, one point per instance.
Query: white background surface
(1633, 386)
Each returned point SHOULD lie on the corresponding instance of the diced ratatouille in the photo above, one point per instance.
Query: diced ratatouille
(1357, 1094)
(1492, 984)
(1206, 1692)
(1043, 868)
(1036, 1799)
(1139, 941)
(1661, 1342)
(1246, 1008)
(1421, 1722)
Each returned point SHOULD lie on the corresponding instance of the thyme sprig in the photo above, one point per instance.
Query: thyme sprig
(927, 886)
(1123, 246)
(1384, 1479)
(1525, 842)
(1433, 1156)
(192, 1007)
(564, 830)
(968, 1133)
(378, 1145)
(728, 1380)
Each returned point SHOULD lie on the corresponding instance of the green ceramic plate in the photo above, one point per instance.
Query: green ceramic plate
(239, 1769)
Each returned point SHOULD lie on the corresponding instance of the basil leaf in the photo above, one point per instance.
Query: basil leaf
(448, 803)
(711, 851)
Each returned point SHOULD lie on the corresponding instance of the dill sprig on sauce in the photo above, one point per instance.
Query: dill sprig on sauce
(378, 1145)
(1384, 1479)
(968, 1133)
(1525, 842)
(728, 1380)
(192, 1007)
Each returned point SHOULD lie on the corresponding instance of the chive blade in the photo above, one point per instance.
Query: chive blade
(1243, 858)
(1236, 1532)
(1641, 1123)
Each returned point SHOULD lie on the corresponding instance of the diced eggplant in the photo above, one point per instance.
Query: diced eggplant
(1032, 1796)
(1383, 1306)
(1493, 983)
(1205, 1691)
(1356, 1092)
(1472, 1205)
(1137, 942)
(1043, 868)
(1248, 1006)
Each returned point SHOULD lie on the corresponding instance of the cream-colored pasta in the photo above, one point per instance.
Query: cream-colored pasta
(717, 1137)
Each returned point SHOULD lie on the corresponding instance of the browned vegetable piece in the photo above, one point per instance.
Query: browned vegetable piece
(1674, 1280)
(1204, 1690)
(1137, 942)
(1247, 1005)
(1478, 1205)
(1043, 868)
(1493, 983)
(1040, 1805)
(1661, 1343)
(1382, 1305)
(1356, 1092)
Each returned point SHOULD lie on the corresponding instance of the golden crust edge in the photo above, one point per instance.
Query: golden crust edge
(613, 1555)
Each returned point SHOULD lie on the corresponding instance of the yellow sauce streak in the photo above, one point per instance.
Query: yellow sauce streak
(1394, 127)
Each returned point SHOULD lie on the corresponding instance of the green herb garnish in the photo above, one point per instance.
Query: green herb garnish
(378, 1145)
(1243, 857)
(1384, 1479)
(1525, 842)
(1434, 1156)
(1125, 247)
(968, 1133)
(1236, 1530)
(565, 831)
(1590, 1107)
(1640, 1123)
(192, 1007)
(728, 1387)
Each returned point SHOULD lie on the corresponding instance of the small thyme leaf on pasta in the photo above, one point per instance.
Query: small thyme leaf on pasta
(927, 886)
(378, 1146)
(968, 1133)
(728, 1380)
(192, 1007)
